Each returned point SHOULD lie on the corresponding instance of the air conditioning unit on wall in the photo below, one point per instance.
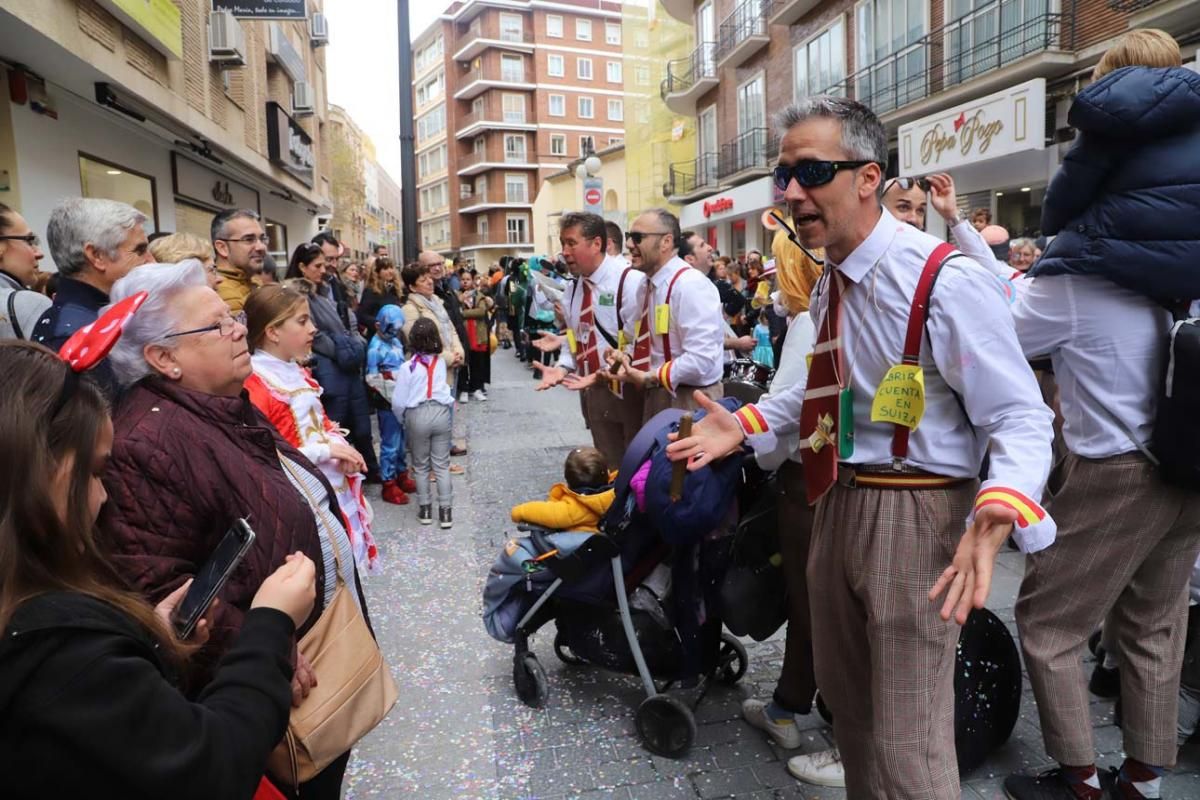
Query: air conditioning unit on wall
(226, 39)
(303, 102)
(319, 30)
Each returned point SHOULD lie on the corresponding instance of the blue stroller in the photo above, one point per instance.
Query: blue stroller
(627, 599)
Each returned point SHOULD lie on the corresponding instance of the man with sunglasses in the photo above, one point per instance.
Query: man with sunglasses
(900, 519)
(678, 335)
(905, 198)
(241, 246)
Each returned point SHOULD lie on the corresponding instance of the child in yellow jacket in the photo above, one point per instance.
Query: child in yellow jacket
(577, 504)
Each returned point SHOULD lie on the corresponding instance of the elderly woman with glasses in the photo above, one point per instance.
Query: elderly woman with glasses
(191, 455)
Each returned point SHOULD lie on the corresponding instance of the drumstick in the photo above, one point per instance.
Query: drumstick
(679, 468)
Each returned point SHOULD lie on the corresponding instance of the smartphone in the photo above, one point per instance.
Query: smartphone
(207, 583)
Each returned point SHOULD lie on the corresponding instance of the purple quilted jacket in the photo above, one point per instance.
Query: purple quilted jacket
(184, 466)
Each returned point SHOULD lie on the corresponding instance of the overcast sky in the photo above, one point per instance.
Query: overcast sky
(362, 61)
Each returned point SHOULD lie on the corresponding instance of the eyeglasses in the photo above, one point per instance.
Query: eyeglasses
(30, 239)
(637, 236)
(907, 183)
(249, 240)
(226, 326)
(810, 174)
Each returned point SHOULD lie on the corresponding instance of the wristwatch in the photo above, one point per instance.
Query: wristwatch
(952, 221)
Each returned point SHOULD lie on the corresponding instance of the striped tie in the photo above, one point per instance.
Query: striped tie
(819, 413)
(641, 345)
(589, 359)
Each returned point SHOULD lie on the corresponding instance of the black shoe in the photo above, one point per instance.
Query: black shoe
(1105, 682)
(1050, 785)
(455, 450)
(444, 518)
(425, 515)
(373, 479)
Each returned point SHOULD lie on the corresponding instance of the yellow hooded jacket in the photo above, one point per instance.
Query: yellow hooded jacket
(565, 510)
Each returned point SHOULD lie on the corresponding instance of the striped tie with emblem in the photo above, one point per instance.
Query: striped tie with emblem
(589, 357)
(819, 413)
(641, 345)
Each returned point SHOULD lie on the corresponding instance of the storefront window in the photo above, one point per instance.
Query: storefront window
(1019, 210)
(278, 236)
(104, 180)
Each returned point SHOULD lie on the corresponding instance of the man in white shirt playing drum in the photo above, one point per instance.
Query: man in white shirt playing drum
(678, 334)
(603, 295)
(892, 443)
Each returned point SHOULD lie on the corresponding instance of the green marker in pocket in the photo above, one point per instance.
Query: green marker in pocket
(845, 425)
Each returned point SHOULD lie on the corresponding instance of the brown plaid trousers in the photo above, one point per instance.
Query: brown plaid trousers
(1125, 548)
(884, 658)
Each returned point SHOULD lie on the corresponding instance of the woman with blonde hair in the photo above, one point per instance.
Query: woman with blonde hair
(181, 246)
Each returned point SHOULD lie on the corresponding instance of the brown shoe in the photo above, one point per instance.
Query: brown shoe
(457, 469)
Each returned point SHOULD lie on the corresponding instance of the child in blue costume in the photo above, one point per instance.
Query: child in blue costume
(385, 354)
(763, 353)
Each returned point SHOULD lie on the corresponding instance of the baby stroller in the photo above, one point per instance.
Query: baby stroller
(626, 599)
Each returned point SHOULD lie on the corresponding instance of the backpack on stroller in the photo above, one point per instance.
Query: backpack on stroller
(630, 599)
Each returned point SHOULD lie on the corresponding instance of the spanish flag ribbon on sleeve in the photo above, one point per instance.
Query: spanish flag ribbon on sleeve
(1033, 530)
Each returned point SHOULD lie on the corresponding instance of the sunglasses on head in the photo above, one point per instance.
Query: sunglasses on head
(907, 183)
(811, 173)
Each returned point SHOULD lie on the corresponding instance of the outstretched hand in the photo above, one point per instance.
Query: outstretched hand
(715, 436)
(548, 342)
(968, 579)
(551, 376)
(577, 383)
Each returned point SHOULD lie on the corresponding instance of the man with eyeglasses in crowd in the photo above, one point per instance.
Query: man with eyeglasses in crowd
(678, 335)
(902, 528)
(241, 246)
(94, 243)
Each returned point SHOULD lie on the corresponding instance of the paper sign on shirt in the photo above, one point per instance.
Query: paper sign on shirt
(571, 343)
(606, 299)
(900, 398)
(662, 318)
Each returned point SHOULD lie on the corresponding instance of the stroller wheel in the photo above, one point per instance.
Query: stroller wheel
(732, 660)
(530, 680)
(563, 651)
(666, 725)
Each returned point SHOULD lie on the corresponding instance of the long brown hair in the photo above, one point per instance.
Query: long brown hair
(267, 307)
(40, 551)
(375, 280)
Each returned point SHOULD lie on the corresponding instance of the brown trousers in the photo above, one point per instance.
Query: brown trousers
(884, 658)
(613, 421)
(797, 681)
(1125, 548)
(659, 399)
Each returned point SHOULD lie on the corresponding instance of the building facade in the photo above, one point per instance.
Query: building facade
(366, 199)
(169, 106)
(977, 87)
(564, 191)
(506, 92)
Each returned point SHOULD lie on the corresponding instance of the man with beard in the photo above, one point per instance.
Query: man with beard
(893, 420)
(677, 335)
(240, 244)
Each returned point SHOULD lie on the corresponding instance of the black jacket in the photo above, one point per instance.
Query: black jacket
(75, 305)
(87, 708)
(372, 301)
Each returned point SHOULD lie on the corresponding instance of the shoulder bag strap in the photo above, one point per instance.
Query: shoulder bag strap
(333, 545)
(12, 314)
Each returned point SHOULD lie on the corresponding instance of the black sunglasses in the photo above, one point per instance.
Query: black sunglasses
(637, 236)
(812, 173)
(907, 183)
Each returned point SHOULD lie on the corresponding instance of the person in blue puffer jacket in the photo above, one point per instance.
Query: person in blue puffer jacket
(1125, 201)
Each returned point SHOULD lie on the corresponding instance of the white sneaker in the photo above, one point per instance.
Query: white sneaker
(820, 769)
(480, 395)
(784, 732)
(462, 397)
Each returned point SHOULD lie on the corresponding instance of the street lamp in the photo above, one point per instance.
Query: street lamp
(588, 171)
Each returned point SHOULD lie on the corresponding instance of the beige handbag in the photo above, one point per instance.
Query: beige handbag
(354, 690)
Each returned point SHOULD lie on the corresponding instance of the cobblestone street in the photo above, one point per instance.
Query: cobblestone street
(459, 731)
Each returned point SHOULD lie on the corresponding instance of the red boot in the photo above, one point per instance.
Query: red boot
(392, 493)
(405, 482)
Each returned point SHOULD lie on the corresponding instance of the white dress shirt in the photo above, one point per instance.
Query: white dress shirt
(413, 387)
(773, 450)
(974, 354)
(1106, 345)
(606, 285)
(696, 330)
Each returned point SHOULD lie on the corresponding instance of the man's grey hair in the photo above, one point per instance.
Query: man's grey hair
(81, 221)
(863, 135)
(157, 318)
(220, 223)
(670, 224)
(1022, 242)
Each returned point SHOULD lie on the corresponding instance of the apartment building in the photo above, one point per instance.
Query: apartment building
(977, 87)
(507, 92)
(366, 199)
(168, 105)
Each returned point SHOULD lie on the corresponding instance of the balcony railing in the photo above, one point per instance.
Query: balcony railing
(747, 20)
(484, 157)
(755, 149)
(492, 197)
(684, 73)
(689, 177)
(492, 114)
(989, 38)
